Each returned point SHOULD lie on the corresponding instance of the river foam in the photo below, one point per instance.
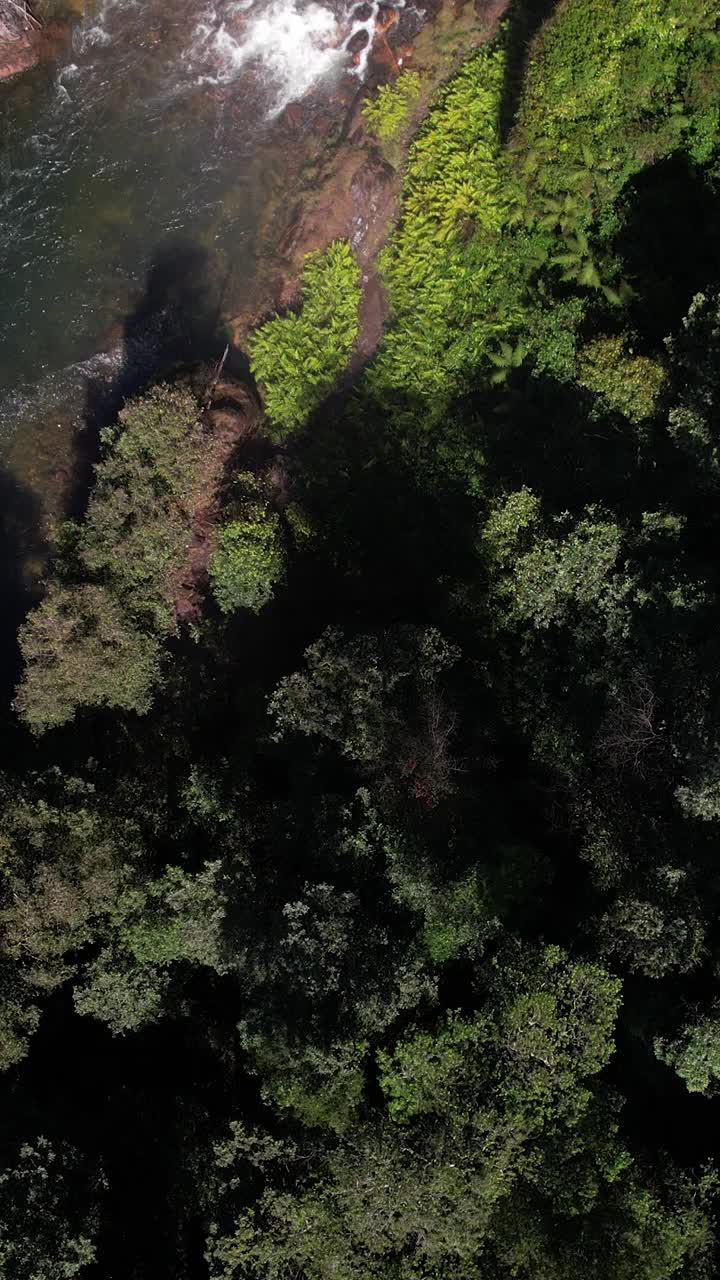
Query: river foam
(289, 45)
(290, 48)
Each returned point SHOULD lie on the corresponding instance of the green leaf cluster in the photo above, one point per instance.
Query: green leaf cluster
(387, 111)
(297, 358)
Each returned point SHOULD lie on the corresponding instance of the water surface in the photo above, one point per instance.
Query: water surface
(135, 168)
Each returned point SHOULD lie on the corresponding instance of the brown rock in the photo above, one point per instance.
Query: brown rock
(387, 16)
(18, 53)
(358, 42)
(293, 115)
(23, 45)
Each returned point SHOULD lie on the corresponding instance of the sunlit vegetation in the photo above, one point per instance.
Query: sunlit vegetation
(298, 357)
(249, 557)
(385, 944)
(493, 237)
(386, 113)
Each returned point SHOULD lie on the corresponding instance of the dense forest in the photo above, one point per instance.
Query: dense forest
(360, 853)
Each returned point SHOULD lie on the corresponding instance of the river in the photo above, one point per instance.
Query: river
(133, 170)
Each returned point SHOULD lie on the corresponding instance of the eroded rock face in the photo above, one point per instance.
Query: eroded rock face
(23, 42)
(19, 40)
(359, 41)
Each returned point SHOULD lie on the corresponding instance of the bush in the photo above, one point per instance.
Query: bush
(248, 561)
(297, 358)
(488, 229)
(626, 383)
(80, 650)
(387, 112)
(97, 643)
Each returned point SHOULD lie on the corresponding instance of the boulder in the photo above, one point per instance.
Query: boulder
(358, 41)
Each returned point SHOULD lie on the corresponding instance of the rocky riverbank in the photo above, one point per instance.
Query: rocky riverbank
(348, 187)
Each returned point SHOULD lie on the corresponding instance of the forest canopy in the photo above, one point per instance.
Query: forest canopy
(359, 901)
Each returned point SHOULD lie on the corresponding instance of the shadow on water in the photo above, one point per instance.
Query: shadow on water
(175, 325)
(524, 21)
(22, 554)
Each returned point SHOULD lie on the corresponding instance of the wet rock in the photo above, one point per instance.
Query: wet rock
(293, 115)
(18, 57)
(358, 42)
(362, 13)
(23, 45)
(387, 16)
(383, 62)
(19, 43)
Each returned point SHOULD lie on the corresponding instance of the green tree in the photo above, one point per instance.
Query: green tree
(81, 649)
(48, 1214)
(694, 1054)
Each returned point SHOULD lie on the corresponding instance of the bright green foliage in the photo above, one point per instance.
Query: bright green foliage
(386, 113)
(695, 1054)
(593, 128)
(488, 232)
(249, 556)
(82, 650)
(626, 383)
(46, 1233)
(453, 287)
(297, 358)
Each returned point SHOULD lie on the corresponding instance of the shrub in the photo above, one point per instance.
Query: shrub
(248, 561)
(387, 112)
(97, 643)
(297, 358)
(81, 650)
(488, 229)
(452, 286)
(626, 383)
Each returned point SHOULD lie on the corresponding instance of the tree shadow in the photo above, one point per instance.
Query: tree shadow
(176, 324)
(669, 243)
(524, 21)
(23, 549)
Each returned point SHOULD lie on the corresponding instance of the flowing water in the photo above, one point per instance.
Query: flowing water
(137, 164)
